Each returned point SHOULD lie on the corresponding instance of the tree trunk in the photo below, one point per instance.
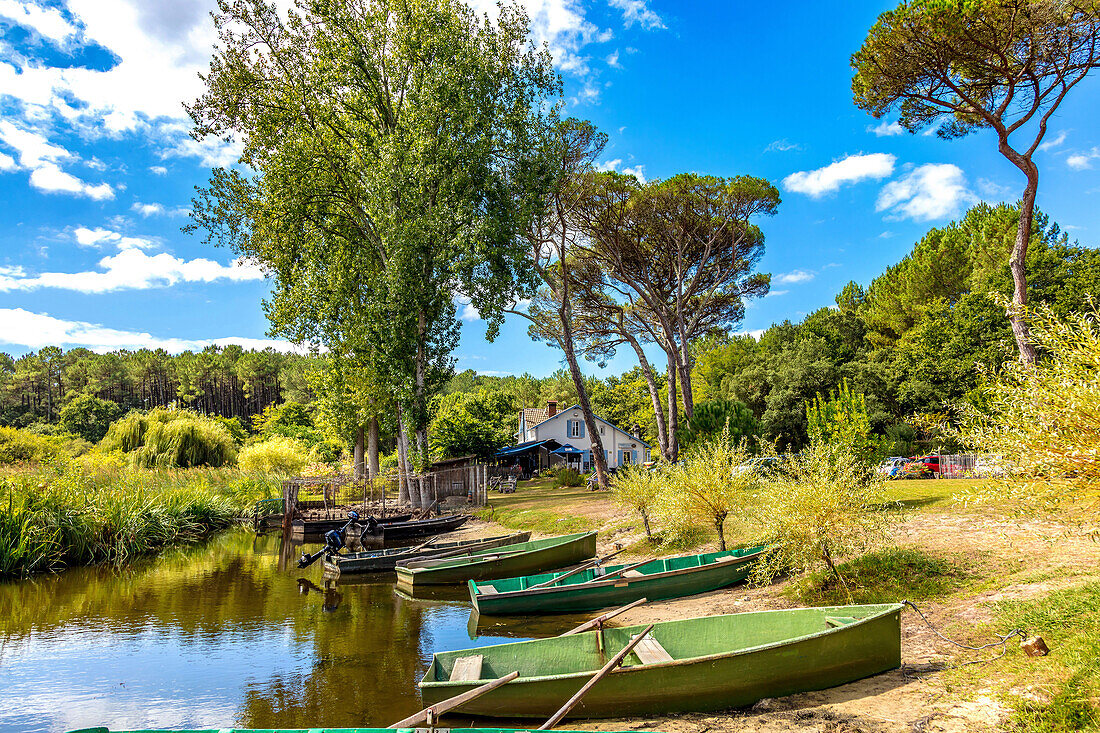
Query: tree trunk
(372, 448)
(720, 525)
(357, 455)
(1017, 315)
(654, 393)
(686, 394)
(403, 491)
(645, 523)
(673, 412)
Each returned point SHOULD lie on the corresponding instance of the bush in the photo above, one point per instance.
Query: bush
(637, 488)
(89, 417)
(567, 477)
(170, 439)
(712, 417)
(18, 446)
(329, 450)
(276, 455)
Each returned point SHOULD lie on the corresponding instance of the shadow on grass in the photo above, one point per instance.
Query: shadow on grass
(886, 576)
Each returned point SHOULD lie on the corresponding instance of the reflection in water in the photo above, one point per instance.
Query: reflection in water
(216, 636)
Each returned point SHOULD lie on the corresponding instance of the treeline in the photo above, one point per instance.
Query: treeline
(227, 381)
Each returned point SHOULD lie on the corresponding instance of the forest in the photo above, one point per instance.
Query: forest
(915, 341)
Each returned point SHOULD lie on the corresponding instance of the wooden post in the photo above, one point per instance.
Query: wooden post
(615, 662)
(599, 620)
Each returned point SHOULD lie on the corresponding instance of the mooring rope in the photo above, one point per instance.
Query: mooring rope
(1002, 639)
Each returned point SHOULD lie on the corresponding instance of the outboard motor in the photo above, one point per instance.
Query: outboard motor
(334, 542)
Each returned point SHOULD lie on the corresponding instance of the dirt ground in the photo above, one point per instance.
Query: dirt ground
(1024, 559)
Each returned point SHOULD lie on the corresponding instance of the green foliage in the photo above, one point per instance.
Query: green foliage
(637, 488)
(277, 455)
(170, 439)
(329, 451)
(1043, 422)
(285, 415)
(65, 515)
(705, 489)
(17, 446)
(233, 426)
(89, 417)
(884, 576)
(472, 423)
(712, 417)
(825, 506)
(568, 477)
(842, 422)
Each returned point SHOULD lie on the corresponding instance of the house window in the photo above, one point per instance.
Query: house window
(574, 428)
(626, 458)
(601, 430)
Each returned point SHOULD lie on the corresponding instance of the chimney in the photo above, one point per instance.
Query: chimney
(636, 431)
(551, 408)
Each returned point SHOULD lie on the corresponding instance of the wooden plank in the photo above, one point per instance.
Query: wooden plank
(835, 621)
(451, 703)
(615, 662)
(486, 588)
(633, 574)
(467, 669)
(599, 620)
(650, 651)
(579, 569)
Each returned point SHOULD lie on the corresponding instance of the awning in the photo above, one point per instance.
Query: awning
(567, 450)
(521, 448)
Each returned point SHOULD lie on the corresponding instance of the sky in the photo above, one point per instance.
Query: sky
(97, 169)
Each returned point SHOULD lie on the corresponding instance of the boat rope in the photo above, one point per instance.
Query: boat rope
(1002, 639)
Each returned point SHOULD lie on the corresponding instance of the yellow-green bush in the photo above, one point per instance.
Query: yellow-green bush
(25, 446)
(275, 455)
(171, 438)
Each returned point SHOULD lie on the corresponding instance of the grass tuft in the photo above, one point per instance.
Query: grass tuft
(885, 576)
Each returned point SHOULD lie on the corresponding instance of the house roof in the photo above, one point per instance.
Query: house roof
(577, 407)
(535, 415)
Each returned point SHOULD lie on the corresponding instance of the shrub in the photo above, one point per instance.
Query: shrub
(712, 417)
(637, 488)
(25, 446)
(567, 477)
(89, 417)
(276, 455)
(329, 450)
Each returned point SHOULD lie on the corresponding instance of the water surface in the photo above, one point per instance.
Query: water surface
(229, 634)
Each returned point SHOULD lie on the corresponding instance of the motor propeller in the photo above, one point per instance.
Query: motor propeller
(334, 542)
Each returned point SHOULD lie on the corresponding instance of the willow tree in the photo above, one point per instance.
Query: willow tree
(1003, 65)
(394, 153)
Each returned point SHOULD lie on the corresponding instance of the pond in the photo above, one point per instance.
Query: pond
(227, 634)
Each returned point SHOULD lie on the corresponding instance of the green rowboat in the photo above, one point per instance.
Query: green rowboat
(379, 561)
(321, 730)
(670, 577)
(692, 665)
(520, 559)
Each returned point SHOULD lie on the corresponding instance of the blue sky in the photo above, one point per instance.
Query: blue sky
(97, 171)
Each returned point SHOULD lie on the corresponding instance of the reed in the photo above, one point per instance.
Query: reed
(66, 514)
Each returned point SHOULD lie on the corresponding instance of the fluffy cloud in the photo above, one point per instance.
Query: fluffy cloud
(35, 330)
(155, 209)
(48, 178)
(636, 11)
(886, 129)
(1054, 142)
(931, 191)
(99, 237)
(781, 146)
(1083, 161)
(615, 164)
(134, 269)
(41, 157)
(7, 163)
(45, 22)
(852, 169)
(794, 276)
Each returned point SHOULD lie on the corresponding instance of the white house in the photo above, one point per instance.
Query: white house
(567, 427)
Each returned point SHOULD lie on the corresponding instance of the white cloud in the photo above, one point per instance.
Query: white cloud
(35, 330)
(852, 169)
(992, 189)
(210, 151)
(610, 165)
(48, 178)
(1083, 161)
(1057, 141)
(7, 163)
(33, 148)
(638, 171)
(615, 164)
(636, 11)
(158, 170)
(886, 129)
(794, 276)
(756, 333)
(155, 209)
(134, 269)
(774, 293)
(466, 309)
(781, 146)
(99, 237)
(931, 191)
(613, 60)
(41, 157)
(45, 22)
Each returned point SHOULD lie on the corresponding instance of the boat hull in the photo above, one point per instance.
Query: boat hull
(386, 560)
(716, 681)
(596, 594)
(578, 549)
(321, 730)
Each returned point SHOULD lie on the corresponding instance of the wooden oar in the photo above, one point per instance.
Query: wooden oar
(431, 562)
(623, 569)
(599, 620)
(615, 662)
(453, 702)
(579, 569)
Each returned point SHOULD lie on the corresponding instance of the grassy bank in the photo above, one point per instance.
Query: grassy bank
(65, 514)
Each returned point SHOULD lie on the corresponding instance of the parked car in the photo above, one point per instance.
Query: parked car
(893, 466)
(922, 467)
(762, 465)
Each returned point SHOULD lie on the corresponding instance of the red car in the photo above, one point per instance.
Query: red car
(923, 466)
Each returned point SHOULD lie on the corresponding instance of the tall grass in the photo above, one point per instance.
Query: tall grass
(66, 514)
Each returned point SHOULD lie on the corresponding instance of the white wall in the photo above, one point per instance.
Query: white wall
(568, 427)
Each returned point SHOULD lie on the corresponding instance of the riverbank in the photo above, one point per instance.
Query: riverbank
(68, 515)
(973, 570)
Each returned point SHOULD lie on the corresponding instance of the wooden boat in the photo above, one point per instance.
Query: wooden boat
(385, 560)
(691, 665)
(304, 527)
(526, 557)
(670, 577)
(326, 730)
(387, 535)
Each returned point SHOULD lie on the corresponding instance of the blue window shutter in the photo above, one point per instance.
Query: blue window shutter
(633, 456)
(580, 428)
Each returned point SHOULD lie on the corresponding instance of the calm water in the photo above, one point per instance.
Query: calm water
(229, 634)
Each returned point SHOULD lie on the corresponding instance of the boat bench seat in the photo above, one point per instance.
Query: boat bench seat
(650, 651)
(633, 574)
(467, 669)
(836, 621)
(486, 588)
